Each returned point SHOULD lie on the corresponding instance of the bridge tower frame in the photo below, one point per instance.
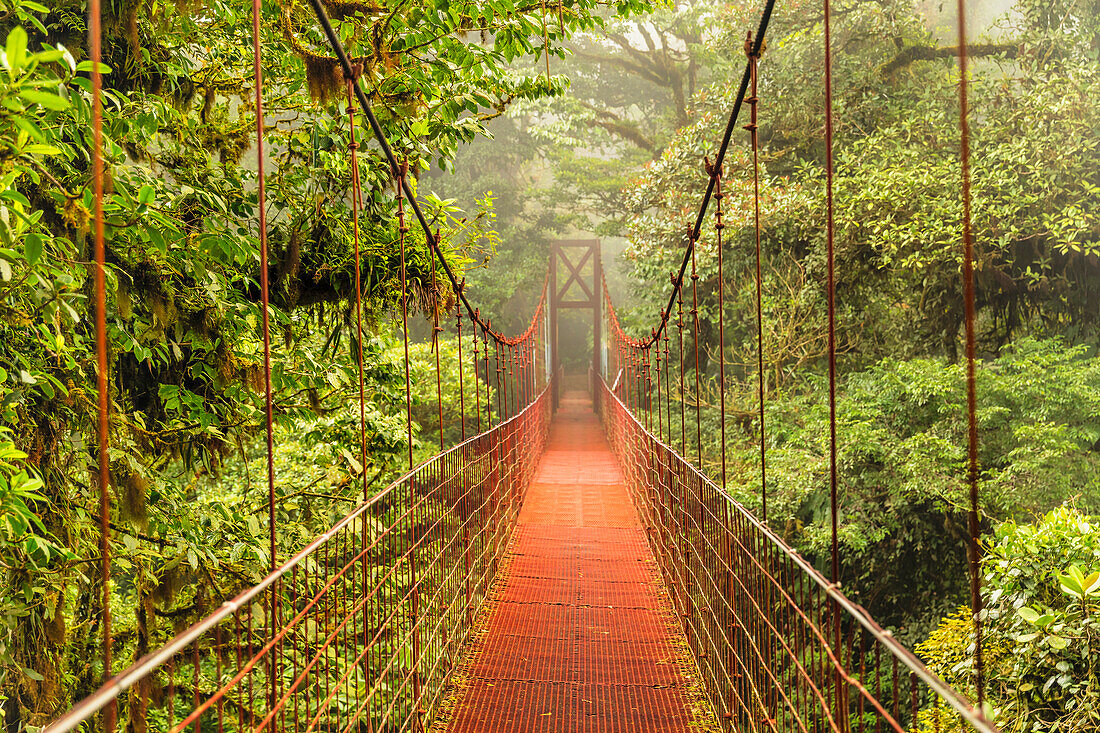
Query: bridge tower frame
(573, 255)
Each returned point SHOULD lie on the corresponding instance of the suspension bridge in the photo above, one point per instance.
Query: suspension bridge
(568, 567)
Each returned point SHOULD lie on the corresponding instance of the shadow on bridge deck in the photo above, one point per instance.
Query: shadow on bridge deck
(580, 634)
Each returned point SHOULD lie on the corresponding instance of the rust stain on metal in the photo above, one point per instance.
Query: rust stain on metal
(581, 635)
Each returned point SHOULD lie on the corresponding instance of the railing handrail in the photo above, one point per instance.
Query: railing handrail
(953, 697)
(140, 669)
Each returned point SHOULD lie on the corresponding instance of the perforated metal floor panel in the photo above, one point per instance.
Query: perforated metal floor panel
(581, 635)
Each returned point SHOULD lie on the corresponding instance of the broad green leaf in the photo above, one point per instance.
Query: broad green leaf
(87, 66)
(1070, 586)
(39, 149)
(33, 244)
(53, 102)
(1028, 614)
(1057, 642)
(16, 48)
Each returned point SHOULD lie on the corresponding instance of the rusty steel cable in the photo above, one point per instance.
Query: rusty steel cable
(695, 340)
(510, 378)
(488, 390)
(754, 140)
(668, 388)
(436, 331)
(680, 336)
(501, 387)
(477, 380)
(95, 52)
(719, 225)
(261, 214)
(660, 412)
(830, 258)
(647, 380)
(973, 521)
(356, 203)
(402, 230)
(461, 370)
(265, 325)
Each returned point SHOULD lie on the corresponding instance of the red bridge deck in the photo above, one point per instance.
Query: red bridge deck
(581, 634)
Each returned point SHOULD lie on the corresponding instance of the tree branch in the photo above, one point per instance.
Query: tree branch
(912, 54)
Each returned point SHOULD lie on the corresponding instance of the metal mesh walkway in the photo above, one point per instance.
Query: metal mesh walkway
(581, 635)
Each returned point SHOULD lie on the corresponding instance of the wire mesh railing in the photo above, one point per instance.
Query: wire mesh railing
(361, 629)
(761, 622)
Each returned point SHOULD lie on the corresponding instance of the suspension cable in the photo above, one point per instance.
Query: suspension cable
(356, 202)
(477, 381)
(95, 51)
(973, 522)
(695, 339)
(831, 285)
(488, 383)
(402, 229)
(719, 225)
(265, 321)
(461, 369)
(660, 414)
(680, 334)
(754, 139)
(436, 331)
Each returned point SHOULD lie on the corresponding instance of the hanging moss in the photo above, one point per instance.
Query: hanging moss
(133, 492)
(324, 77)
(342, 10)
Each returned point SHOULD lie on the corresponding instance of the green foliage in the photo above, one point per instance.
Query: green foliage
(21, 530)
(897, 223)
(1041, 627)
(183, 320)
(902, 465)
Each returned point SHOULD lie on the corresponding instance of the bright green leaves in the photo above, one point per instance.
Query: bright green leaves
(48, 101)
(1058, 628)
(21, 530)
(454, 63)
(32, 248)
(1042, 625)
(1042, 622)
(15, 50)
(1057, 642)
(1034, 617)
(1075, 583)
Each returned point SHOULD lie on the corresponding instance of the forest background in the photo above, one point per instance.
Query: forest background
(507, 157)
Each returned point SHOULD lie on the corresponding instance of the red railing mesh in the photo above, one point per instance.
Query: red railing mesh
(362, 628)
(760, 620)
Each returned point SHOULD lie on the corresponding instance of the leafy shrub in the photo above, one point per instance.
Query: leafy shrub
(902, 463)
(1042, 627)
